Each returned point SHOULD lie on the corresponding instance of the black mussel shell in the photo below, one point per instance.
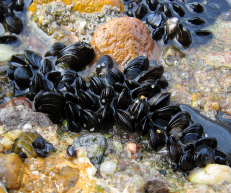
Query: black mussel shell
(106, 115)
(46, 66)
(204, 157)
(72, 112)
(79, 83)
(154, 20)
(175, 150)
(135, 67)
(74, 127)
(159, 101)
(107, 95)
(18, 5)
(34, 59)
(152, 4)
(139, 109)
(89, 120)
(158, 33)
(125, 120)
(18, 60)
(178, 9)
(157, 139)
(41, 153)
(183, 36)
(220, 158)
(132, 84)
(196, 7)
(71, 151)
(104, 62)
(117, 75)
(180, 121)
(55, 49)
(123, 99)
(144, 125)
(54, 77)
(196, 21)
(152, 74)
(7, 39)
(71, 97)
(77, 55)
(187, 162)
(172, 27)
(50, 103)
(166, 10)
(96, 85)
(39, 143)
(22, 77)
(141, 11)
(14, 23)
(10, 73)
(147, 90)
(87, 100)
(204, 143)
(162, 82)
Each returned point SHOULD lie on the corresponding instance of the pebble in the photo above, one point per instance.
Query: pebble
(124, 39)
(11, 170)
(212, 173)
(18, 101)
(131, 147)
(108, 167)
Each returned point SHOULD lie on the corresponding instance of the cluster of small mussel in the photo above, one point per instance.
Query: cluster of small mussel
(133, 100)
(10, 11)
(183, 20)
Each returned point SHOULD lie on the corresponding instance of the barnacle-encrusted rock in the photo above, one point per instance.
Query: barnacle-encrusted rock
(11, 170)
(124, 39)
(88, 6)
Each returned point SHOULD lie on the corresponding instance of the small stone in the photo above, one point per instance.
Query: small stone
(13, 134)
(11, 170)
(156, 186)
(212, 173)
(95, 144)
(124, 39)
(7, 143)
(108, 168)
(132, 147)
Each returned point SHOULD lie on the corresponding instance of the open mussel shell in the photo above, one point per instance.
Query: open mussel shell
(14, 23)
(104, 62)
(157, 139)
(77, 55)
(55, 49)
(125, 120)
(159, 101)
(50, 103)
(135, 67)
(139, 109)
(183, 36)
(179, 122)
(175, 149)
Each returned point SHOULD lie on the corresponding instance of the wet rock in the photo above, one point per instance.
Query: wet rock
(11, 170)
(124, 39)
(219, 59)
(82, 5)
(172, 55)
(108, 167)
(156, 186)
(212, 173)
(18, 101)
(95, 144)
(17, 117)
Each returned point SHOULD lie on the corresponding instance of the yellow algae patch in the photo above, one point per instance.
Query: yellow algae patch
(87, 6)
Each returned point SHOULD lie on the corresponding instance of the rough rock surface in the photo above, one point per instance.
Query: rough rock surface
(124, 39)
(17, 117)
(11, 170)
(87, 6)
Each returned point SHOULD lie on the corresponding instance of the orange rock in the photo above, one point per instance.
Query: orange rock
(88, 6)
(11, 170)
(18, 101)
(124, 39)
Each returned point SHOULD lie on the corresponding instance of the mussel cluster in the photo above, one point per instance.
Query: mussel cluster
(10, 11)
(133, 100)
(177, 19)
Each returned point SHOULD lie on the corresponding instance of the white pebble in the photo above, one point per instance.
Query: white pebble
(108, 168)
(212, 173)
(27, 127)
